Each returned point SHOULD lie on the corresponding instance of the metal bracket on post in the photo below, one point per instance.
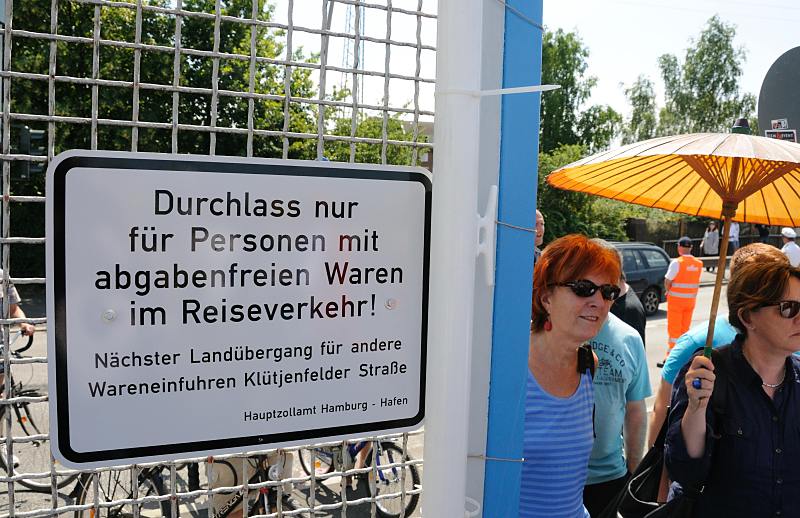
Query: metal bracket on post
(487, 224)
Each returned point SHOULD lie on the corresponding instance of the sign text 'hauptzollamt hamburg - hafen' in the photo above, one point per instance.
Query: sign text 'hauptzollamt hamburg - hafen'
(210, 304)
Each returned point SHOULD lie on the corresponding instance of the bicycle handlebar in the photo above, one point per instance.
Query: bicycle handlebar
(24, 347)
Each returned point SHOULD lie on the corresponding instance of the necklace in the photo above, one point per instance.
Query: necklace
(770, 385)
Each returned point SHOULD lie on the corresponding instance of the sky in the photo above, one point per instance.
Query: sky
(625, 37)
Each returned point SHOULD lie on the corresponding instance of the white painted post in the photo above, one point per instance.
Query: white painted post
(453, 246)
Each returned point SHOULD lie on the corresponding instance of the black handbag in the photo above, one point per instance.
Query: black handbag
(639, 497)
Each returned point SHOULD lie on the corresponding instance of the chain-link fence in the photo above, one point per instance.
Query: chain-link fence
(344, 80)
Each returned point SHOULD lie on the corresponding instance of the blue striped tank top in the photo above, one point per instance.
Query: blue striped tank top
(556, 445)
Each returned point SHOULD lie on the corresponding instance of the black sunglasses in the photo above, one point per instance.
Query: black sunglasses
(787, 308)
(586, 288)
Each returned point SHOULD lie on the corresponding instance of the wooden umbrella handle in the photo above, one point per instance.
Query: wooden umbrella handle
(723, 252)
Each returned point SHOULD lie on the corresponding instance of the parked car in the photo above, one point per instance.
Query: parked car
(645, 265)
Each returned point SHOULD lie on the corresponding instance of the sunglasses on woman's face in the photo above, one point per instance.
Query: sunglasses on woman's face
(586, 288)
(788, 308)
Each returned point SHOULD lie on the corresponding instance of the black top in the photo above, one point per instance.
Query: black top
(752, 470)
(629, 309)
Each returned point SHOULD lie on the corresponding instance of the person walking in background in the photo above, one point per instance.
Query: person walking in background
(710, 244)
(733, 238)
(790, 248)
(539, 236)
(574, 284)
(681, 282)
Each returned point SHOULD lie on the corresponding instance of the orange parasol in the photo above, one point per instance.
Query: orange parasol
(717, 175)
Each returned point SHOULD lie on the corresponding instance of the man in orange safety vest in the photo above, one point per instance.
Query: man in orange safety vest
(681, 281)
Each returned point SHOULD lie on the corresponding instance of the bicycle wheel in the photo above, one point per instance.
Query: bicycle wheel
(115, 485)
(390, 482)
(320, 458)
(30, 419)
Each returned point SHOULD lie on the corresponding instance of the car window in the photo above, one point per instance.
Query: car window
(631, 262)
(655, 259)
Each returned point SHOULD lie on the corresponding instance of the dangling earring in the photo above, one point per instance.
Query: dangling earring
(548, 326)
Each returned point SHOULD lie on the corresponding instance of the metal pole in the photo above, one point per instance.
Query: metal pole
(453, 247)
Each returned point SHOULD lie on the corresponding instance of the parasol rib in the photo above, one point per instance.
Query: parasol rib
(664, 163)
(779, 171)
(688, 192)
(598, 173)
(783, 202)
(700, 167)
(764, 201)
(703, 202)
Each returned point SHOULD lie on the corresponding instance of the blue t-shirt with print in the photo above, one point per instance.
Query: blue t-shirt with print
(621, 377)
(692, 340)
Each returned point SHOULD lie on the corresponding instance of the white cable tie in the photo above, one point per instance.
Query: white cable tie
(487, 457)
(521, 15)
(500, 91)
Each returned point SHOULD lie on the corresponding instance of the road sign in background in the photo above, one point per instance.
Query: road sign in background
(218, 304)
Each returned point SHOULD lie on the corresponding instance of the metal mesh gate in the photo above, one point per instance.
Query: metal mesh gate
(343, 80)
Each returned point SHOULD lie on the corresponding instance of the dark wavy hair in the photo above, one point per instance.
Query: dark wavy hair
(569, 258)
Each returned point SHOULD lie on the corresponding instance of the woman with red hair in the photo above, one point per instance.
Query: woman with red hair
(574, 284)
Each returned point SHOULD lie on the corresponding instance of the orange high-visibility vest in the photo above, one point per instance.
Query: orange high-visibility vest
(685, 285)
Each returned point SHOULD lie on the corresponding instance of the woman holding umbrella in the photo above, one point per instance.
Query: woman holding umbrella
(574, 285)
(745, 459)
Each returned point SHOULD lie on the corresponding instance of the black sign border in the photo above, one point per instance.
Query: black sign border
(216, 165)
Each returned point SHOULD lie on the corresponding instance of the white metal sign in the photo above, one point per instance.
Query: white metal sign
(210, 304)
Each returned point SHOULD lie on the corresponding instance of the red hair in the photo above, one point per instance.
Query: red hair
(569, 258)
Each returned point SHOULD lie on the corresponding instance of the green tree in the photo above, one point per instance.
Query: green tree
(118, 23)
(564, 119)
(597, 127)
(368, 152)
(115, 63)
(565, 212)
(643, 121)
(702, 93)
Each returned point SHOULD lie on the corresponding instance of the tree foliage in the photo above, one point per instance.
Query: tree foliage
(371, 127)
(643, 121)
(569, 131)
(195, 104)
(701, 92)
(564, 118)
(565, 212)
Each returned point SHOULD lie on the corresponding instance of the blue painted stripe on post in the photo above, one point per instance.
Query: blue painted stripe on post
(519, 150)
